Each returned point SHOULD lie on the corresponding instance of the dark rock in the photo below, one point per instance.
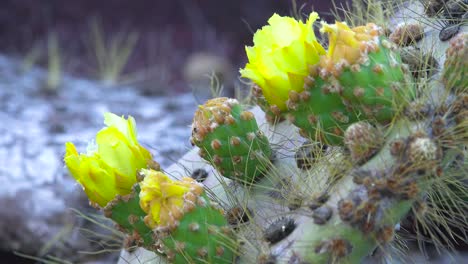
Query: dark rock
(279, 229)
(199, 175)
(448, 32)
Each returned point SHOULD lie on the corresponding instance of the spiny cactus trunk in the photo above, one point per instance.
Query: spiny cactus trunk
(319, 204)
(317, 224)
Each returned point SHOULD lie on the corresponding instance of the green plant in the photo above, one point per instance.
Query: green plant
(318, 203)
(111, 55)
(54, 65)
(31, 58)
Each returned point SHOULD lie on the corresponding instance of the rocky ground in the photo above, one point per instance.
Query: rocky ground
(36, 193)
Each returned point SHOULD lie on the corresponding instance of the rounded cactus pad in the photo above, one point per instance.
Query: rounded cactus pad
(229, 138)
(188, 227)
(319, 111)
(359, 78)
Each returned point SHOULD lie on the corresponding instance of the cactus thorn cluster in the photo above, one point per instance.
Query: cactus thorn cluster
(229, 138)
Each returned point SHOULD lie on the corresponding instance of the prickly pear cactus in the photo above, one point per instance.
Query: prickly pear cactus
(229, 138)
(357, 136)
(186, 224)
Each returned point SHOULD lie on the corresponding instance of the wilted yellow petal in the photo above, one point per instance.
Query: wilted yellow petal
(345, 42)
(174, 190)
(162, 198)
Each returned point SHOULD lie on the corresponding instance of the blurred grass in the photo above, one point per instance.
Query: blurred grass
(111, 54)
(96, 229)
(116, 42)
(54, 65)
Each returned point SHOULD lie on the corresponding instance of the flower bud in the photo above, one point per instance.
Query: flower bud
(280, 58)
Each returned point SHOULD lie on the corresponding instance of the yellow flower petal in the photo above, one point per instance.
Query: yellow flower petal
(280, 57)
(111, 167)
(72, 160)
(283, 30)
(98, 182)
(289, 59)
(277, 97)
(125, 127)
(115, 152)
(309, 34)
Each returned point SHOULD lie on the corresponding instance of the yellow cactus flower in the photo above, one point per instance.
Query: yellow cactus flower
(164, 200)
(280, 58)
(347, 45)
(110, 165)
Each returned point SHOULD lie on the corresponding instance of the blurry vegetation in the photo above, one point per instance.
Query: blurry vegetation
(54, 65)
(364, 11)
(31, 58)
(145, 44)
(51, 55)
(296, 10)
(112, 54)
(156, 72)
(95, 228)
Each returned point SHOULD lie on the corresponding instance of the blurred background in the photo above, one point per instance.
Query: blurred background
(64, 63)
(119, 41)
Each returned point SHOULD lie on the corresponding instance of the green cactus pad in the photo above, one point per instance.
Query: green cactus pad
(188, 226)
(320, 113)
(202, 236)
(126, 212)
(376, 82)
(230, 140)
